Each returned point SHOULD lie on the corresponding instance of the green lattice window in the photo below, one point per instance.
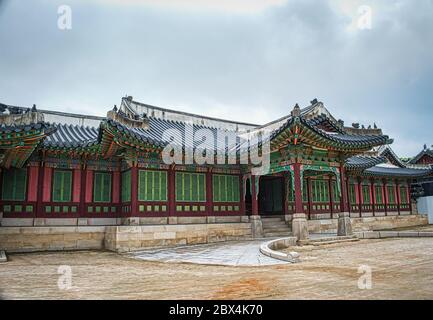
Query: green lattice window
(304, 191)
(126, 186)
(366, 194)
(62, 186)
(190, 187)
(225, 188)
(335, 193)
(352, 193)
(403, 194)
(152, 185)
(379, 196)
(391, 195)
(320, 190)
(14, 184)
(102, 187)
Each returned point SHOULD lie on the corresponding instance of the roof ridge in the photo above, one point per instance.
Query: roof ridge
(188, 113)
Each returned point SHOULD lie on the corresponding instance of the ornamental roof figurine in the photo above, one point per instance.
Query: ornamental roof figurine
(296, 112)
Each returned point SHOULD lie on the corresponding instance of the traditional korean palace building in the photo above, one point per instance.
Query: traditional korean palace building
(60, 168)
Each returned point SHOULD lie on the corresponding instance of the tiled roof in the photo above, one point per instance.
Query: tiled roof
(398, 172)
(415, 159)
(388, 153)
(72, 136)
(346, 139)
(363, 162)
(154, 134)
(24, 127)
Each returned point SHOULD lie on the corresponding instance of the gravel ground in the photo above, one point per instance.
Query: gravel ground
(401, 269)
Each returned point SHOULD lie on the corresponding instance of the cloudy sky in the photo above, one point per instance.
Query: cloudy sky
(247, 60)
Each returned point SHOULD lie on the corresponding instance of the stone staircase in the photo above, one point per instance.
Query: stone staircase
(275, 226)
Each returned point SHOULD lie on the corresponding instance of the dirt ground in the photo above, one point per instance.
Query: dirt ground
(401, 269)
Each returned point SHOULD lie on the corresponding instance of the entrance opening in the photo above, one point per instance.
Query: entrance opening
(271, 195)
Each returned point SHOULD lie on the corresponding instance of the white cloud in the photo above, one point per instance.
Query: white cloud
(227, 6)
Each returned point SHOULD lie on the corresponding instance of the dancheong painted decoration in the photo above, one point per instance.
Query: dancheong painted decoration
(62, 165)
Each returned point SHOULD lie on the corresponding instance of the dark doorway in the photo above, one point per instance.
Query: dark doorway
(271, 196)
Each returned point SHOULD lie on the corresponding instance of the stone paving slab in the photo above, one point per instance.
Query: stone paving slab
(233, 253)
(239, 253)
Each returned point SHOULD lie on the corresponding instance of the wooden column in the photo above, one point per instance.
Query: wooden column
(134, 190)
(82, 206)
(299, 208)
(408, 196)
(344, 205)
(360, 196)
(331, 196)
(242, 207)
(373, 197)
(39, 203)
(385, 196)
(209, 192)
(254, 196)
(171, 191)
(397, 194)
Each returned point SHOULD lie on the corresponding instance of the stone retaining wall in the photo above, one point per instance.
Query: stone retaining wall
(129, 238)
(368, 223)
(117, 238)
(27, 239)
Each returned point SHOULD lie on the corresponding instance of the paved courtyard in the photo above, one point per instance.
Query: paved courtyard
(239, 253)
(401, 269)
(243, 253)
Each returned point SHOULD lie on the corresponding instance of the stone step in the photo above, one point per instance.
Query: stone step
(276, 230)
(272, 218)
(273, 227)
(279, 224)
(277, 234)
(273, 221)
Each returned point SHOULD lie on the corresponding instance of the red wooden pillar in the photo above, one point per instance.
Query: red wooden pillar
(331, 196)
(89, 187)
(39, 204)
(397, 192)
(373, 197)
(409, 199)
(134, 190)
(254, 196)
(82, 206)
(209, 192)
(171, 191)
(32, 187)
(344, 206)
(46, 184)
(385, 196)
(360, 196)
(299, 208)
(76, 187)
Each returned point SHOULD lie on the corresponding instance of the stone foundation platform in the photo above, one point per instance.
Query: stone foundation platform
(124, 238)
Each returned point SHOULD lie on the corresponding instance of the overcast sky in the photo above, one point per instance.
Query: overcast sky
(246, 60)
